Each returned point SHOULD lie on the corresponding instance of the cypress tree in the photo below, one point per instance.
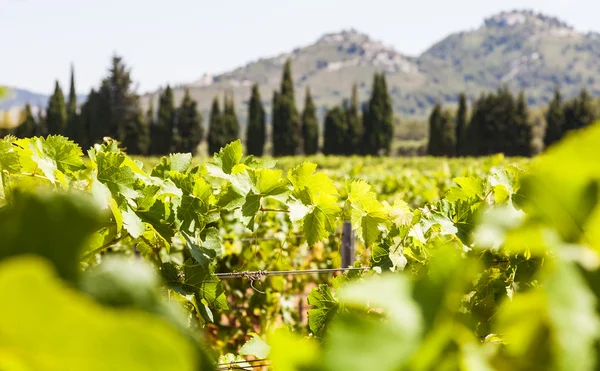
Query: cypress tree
(286, 123)
(256, 129)
(149, 117)
(230, 122)
(461, 125)
(91, 119)
(555, 119)
(579, 112)
(162, 135)
(387, 124)
(523, 132)
(189, 125)
(435, 130)
(364, 148)
(27, 126)
(41, 128)
(335, 132)
(56, 114)
(137, 135)
(354, 123)
(379, 130)
(447, 134)
(119, 103)
(215, 129)
(74, 128)
(310, 126)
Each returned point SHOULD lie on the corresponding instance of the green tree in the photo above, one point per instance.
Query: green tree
(230, 122)
(56, 114)
(579, 112)
(286, 133)
(92, 120)
(379, 129)
(336, 130)
(137, 135)
(555, 119)
(387, 123)
(41, 128)
(522, 130)
(113, 109)
(27, 127)
(75, 129)
(189, 125)
(354, 124)
(435, 128)
(256, 128)
(216, 135)
(122, 101)
(447, 134)
(162, 133)
(310, 126)
(461, 125)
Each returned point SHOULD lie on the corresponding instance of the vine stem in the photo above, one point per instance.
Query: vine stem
(273, 210)
(105, 246)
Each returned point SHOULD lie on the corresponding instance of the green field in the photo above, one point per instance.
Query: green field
(115, 263)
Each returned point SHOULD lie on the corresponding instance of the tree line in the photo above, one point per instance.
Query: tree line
(499, 122)
(113, 110)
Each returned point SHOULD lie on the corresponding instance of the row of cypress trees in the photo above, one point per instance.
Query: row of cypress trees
(348, 133)
(345, 133)
(113, 110)
(501, 123)
(562, 117)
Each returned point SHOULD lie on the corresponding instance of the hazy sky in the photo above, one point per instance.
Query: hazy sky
(175, 41)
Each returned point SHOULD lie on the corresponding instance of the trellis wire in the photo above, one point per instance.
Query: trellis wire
(238, 364)
(256, 275)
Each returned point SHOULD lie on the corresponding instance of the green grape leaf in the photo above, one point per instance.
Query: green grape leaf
(501, 194)
(178, 162)
(324, 309)
(206, 284)
(320, 222)
(304, 357)
(255, 347)
(148, 195)
(224, 161)
(9, 158)
(230, 199)
(391, 341)
(369, 216)
(132, 222)
(130, 340)
(298, 210)
(561, 190)
(66, 156)
(38, 224)
(119, 178)
(558, 319)
(212, 241)
(268, 182)
(161, 218)
(303, 178)
(250, 209)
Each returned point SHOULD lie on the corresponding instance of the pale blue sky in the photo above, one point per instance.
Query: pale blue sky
(174, 41)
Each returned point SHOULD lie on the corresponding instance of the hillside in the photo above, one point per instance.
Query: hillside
(520, 48)
(19, 97)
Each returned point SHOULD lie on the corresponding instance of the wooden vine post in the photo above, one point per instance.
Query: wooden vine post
(348, 251)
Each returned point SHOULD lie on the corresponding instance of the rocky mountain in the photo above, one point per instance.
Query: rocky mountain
(522, 49)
